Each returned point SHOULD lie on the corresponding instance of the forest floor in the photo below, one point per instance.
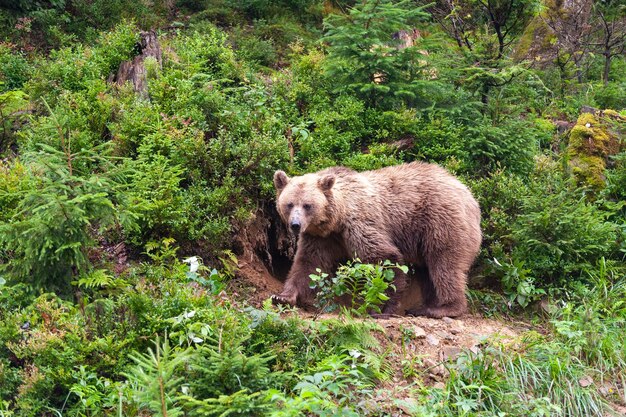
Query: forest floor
(417, 350)
(417, 346)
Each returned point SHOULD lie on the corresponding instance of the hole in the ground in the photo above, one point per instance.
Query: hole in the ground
(277, 255)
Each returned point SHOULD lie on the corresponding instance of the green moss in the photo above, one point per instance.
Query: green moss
(589, 170)
(591, 142)
(537, 38)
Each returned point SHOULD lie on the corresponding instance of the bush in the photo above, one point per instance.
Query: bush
(14, 69)
(255, 50)
(543, 233)
(616, 179)
(511, 145)
(79, 68)
(611, 96)
(561, 236)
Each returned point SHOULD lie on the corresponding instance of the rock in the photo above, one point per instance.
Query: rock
(447, 320)
(592, 142)
(429, 363)
(451, 352)
(418, 332)
(585, 381)
(447, 336)
(435, 370)
(606, 390)
(408, 405)
(432, 340)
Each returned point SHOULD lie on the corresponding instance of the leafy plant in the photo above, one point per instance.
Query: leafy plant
(517, 284)
(365, 284)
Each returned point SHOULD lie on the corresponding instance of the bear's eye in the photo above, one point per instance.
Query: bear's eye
(307, 207)
(290, 205)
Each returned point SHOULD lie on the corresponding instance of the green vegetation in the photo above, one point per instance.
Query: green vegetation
(127, 210)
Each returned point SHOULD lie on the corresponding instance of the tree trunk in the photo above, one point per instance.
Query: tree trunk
(607, 67)
(484, 97)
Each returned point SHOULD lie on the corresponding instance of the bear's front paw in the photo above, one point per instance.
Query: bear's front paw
(284, 300)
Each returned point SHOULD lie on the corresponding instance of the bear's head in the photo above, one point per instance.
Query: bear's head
(305, 203)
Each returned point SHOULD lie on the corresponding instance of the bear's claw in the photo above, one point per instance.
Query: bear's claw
(281, 300)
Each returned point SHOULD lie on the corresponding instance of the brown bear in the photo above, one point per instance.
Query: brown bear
(415, 213)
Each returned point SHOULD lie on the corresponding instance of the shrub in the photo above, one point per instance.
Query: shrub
(14, 69)
(154, 192)
(255, 50)
(560, 235)
(499, 196)
(616, 179)
(511, 145)
(78, 68)
(543, 233)
(82, 117)
(611, 96)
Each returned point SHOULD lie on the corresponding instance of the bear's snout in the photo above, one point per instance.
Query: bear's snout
(295, 221)
(295, 226)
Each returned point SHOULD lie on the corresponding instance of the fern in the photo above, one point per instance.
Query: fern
(99, 278)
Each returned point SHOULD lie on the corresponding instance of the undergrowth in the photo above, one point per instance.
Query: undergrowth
(122, 214)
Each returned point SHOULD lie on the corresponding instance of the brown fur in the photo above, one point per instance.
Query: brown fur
(413, 213)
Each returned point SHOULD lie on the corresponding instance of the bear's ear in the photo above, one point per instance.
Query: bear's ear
(280, 180)
(326, 182)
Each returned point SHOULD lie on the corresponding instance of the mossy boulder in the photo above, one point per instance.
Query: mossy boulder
(595, 137)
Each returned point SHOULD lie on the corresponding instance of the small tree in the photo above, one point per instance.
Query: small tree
(47, 239)
(569, 29)
(365, 58)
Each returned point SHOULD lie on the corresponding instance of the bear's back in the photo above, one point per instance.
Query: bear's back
(411, 197)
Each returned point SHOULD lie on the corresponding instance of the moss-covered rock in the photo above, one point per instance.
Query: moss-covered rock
(594, 138)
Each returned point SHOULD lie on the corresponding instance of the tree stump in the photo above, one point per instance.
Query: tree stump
(135, 70)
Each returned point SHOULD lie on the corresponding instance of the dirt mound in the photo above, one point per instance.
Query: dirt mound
(434, 341)
(264, 249)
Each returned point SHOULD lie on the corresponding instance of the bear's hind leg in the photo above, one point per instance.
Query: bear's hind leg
(446, 297)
